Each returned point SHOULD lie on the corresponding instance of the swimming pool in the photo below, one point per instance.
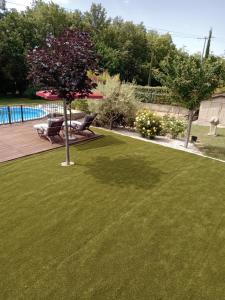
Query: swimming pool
(20, 113)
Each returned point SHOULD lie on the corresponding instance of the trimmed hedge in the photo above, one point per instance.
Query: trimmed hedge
(148, 94)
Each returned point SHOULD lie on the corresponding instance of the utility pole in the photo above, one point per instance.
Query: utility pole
(208, 39)
(207, 50)
(2, 5)
(205, 38)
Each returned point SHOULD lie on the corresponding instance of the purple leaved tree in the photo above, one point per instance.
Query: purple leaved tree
(61, 65)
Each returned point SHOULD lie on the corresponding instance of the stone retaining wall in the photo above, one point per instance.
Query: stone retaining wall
(163, 109)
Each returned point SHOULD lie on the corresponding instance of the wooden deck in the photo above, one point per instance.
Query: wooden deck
(21, 139)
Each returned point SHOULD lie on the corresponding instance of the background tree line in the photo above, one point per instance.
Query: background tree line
(124, 48)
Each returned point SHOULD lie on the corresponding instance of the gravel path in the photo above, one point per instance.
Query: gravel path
(162, 140)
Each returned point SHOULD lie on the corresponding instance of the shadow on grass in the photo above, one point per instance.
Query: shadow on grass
(100, 143)
(125, 171)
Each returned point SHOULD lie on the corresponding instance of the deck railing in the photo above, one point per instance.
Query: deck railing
(21, 113)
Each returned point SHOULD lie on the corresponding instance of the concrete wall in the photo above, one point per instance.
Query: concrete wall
(212, 108)
(162, 109)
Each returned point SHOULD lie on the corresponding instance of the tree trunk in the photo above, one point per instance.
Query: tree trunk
(66, 133)
(150, 71)
(111, 124)
(190, 118)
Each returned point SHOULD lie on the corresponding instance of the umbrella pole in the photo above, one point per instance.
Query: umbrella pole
(67, 162)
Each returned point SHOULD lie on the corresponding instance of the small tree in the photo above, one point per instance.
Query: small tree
(190, 80)
(61, 65)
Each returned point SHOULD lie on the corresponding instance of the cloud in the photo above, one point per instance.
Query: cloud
(62, 2)
(126, 1)
(18, 5)
(21, 5)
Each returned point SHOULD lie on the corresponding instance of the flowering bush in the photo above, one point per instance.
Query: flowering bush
(148, 124)
(173, 126)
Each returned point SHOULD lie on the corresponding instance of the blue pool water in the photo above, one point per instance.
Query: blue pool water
(28, 113)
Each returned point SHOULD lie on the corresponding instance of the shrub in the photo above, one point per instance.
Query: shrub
(30, 92)
(119, 106)
(173, 126)
(94, 105)
(148, 124)
(80, 105)
(148, 94)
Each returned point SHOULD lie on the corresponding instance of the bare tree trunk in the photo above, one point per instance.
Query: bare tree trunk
(111, 124)
(190, 118)
(150, 70)
(66, 133)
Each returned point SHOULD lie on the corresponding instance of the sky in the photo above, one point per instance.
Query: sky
(188, 21)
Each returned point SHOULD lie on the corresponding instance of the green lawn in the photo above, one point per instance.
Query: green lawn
(18, 101)
(210, 145)
(131, 220)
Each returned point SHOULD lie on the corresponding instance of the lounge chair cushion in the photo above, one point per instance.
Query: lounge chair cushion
(43, 126)
(73, 123)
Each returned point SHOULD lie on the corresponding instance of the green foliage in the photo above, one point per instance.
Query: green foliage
(80, 105)
(159, 46)
(119, 106)
(149, 94)
(124, 48)
(48, 19)
(173, 126)
(30, 92)
(12, 54)
(131, 40)
(189, 79)
(148, 124)
(96, 18)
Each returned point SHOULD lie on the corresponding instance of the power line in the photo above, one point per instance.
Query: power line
(177, 33)
(14, 3)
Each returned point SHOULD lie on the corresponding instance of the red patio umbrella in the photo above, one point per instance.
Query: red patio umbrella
(53, 96)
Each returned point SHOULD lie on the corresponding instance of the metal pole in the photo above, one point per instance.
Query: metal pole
(203, 50)
(70, 121)
(67, 162)
(9, 115)
(21, 110)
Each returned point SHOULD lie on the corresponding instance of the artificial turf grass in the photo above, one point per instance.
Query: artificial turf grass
(130, 220)
(213, 146)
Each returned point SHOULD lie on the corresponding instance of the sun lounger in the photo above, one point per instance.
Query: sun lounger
(50, 130)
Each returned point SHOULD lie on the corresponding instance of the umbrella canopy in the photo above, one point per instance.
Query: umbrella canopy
(50, 95)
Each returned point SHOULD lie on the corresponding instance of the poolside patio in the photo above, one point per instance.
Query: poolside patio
(21, 139)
